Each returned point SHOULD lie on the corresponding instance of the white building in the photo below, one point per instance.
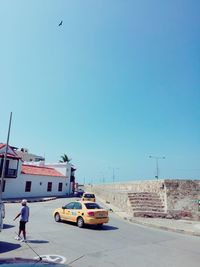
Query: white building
(68, 170)
(24, 180)
(24, 154)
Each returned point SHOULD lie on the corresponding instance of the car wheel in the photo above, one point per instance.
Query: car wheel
(80, 222)
(57, 217)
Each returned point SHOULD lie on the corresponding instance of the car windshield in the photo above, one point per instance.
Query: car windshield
(89, 195)
(91, 206)
(70, 205)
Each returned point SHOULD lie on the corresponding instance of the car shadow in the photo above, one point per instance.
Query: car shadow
(104, 227)
(7, 226)
(6, 247)
(101, 228)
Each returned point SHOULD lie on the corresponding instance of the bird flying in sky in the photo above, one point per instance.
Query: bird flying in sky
(60, 23)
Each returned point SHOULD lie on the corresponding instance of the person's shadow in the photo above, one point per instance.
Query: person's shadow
(5, 246)
(7, 226)
(37, 241)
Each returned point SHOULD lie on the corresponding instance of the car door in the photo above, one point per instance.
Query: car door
(67, 211)
(77, 211)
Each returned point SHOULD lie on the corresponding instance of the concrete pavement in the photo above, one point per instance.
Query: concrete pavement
(180, 226)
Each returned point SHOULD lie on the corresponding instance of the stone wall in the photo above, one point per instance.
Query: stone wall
(179, 196)
(182, 198)
(117, 193)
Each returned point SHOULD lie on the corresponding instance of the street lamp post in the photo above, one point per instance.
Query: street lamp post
(113, 169)
(113, 173)
(157, 168)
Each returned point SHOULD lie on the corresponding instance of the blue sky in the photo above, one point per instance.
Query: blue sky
(117, 82)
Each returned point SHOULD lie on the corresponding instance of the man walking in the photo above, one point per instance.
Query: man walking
(24, 213)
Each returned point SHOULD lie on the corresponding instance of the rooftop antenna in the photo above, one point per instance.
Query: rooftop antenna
(5, 159)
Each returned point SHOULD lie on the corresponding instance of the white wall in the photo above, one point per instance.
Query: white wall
(64, 168)
(15, 188)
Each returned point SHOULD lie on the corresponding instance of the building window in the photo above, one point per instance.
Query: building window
(28, 186)
(49, 187)
(4, 184)
(60, 185)
(6, 167)
(9, 172)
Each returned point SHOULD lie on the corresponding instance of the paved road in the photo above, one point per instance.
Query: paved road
(119, 243)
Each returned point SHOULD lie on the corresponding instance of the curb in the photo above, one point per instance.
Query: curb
(30, 200)
(165, 228)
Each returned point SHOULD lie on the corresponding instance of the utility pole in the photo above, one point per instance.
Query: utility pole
(157, 168)
(113, 173)
(5, 159)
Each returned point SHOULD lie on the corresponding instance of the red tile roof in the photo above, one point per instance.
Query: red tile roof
(40, 170)
(1, 145)
(13, 155)
(9, 156)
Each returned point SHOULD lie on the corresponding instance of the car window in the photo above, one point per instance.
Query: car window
(77, 206)
(80, 190)
(70, 205)
(90, 206)
(89, 195)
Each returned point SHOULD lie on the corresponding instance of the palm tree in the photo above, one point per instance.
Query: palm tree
(65, 158)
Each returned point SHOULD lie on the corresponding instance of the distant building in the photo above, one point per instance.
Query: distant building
(26, 156)
(33, 178)
(66, 169)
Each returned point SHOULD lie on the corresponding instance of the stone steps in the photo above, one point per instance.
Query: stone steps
(142, 194)
(149, 214)
(145, 204)
(142, 207)
(148, 209)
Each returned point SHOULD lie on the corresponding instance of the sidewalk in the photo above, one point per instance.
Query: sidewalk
(180, 226)
(29, 199)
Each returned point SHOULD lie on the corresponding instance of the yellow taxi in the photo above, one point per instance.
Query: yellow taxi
(88, 197)
(82, 212)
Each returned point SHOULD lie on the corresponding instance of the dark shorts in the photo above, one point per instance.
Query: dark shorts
(22, 225)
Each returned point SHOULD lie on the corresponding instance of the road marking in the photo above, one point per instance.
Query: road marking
(52, 258)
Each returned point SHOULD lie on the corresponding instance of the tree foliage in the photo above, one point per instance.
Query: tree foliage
(65, 158)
